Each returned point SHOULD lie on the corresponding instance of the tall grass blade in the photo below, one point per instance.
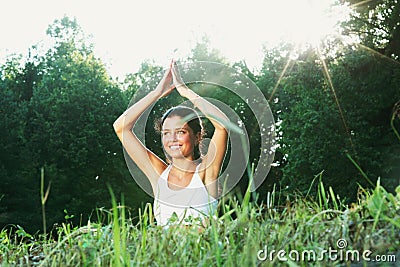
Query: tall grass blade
(359, 169)
(43, 198)
(392, 123)
(116, 230)
(247, 195)
(323, 195)
(334, 201)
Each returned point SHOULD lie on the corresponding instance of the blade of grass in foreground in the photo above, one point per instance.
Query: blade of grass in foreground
(120, 257)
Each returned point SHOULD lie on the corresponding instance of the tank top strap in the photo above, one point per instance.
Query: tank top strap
(197, 168)
(196, 180)
(165, 173)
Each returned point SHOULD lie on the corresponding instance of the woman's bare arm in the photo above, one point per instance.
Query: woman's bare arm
(213, 160)
(151, 165)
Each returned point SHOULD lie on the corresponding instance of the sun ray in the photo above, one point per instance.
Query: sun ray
(329, 79)
(378, 54)
(280, 79)
(362, 3)
(368, 49)
(334, 33)
(341, 37)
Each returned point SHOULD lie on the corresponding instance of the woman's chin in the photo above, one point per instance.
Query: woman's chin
(179, 155)
(175, 154)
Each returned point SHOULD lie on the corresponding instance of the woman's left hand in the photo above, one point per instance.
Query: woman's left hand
(177, 80)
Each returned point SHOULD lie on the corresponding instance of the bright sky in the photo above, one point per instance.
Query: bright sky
(127, 32)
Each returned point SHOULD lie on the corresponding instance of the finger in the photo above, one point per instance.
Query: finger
(167, 73)
(175, 75)
(176, 69)
(173, 72)
(175, 64)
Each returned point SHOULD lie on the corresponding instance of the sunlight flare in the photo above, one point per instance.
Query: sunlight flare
(308, 22)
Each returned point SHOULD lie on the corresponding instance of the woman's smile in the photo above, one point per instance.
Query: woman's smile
(175, 147)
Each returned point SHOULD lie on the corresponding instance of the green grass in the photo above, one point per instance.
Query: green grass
(233, 238)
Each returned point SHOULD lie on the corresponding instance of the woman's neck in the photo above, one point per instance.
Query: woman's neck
(184, 165)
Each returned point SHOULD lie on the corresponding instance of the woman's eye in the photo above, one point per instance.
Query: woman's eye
(181, 132)
(165, 133)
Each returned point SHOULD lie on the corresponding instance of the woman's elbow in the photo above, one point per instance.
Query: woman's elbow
(117, 127)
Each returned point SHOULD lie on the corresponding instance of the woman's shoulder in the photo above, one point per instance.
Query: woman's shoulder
(159, 166)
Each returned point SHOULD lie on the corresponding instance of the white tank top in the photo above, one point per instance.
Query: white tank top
(191, 201)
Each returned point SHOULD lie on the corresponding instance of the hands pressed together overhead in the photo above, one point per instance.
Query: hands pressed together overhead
(171, 80)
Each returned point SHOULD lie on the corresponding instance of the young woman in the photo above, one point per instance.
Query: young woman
(185, 186)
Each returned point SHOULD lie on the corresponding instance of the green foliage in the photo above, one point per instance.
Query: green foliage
(376, 24)
(368, 87)
(395, 115)
(203, 52)
(326, 114)
(133, 82)
(16, 159)
(58, 113)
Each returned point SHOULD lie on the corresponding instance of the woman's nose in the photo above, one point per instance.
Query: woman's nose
(172, 137)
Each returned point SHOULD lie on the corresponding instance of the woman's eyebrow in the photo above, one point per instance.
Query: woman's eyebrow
(177, 128)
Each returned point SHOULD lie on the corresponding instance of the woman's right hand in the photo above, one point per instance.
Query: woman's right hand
(166, 86)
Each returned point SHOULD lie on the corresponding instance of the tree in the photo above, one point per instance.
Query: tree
(73, 109)
(369, 89)
(59, 110)
(376, 24)
(324, 123)
(17, 190)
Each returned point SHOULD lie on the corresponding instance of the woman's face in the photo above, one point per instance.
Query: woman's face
(177, 138)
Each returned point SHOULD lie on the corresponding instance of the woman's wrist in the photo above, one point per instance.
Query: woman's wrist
(194, 97)
(189, 94)
(155, 94)
(181, 86)
(183, 90)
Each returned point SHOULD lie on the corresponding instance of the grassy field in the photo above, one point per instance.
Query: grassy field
(318, 231)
